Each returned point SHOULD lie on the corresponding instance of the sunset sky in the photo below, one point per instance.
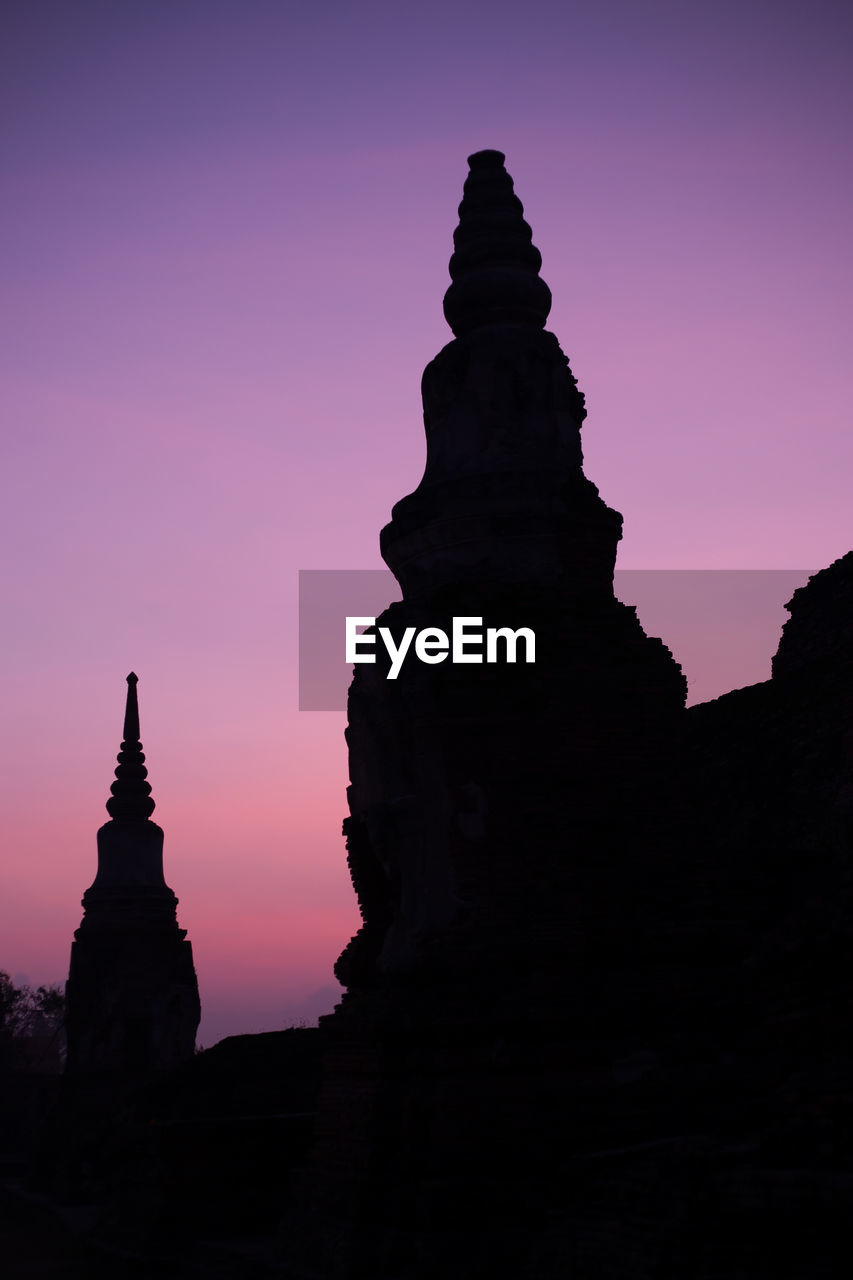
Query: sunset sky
(226, 234)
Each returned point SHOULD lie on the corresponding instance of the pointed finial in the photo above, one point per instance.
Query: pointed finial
(131, 794)
(495, 265)
(131, 710)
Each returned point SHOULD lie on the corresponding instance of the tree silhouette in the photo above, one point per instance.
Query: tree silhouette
(28, 1014)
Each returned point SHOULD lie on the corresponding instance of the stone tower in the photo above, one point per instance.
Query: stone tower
(506, 835)
(468, 781)
(132, 994)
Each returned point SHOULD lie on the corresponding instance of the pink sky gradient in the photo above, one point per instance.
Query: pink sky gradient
(227, 228)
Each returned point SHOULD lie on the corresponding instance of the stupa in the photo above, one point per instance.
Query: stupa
(132, 994)
(505, 836)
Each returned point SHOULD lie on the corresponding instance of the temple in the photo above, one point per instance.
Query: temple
(595, 1020)
(506, 828)
(132, 993)
(593, 1017)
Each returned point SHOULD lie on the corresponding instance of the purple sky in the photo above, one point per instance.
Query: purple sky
(227, 228)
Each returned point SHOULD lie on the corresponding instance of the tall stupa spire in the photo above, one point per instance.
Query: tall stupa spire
(132, 992)
(495, 264)
(502, 816)
(503, 497)
(130, 793)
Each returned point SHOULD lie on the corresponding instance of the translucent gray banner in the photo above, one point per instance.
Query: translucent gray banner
(722, 625)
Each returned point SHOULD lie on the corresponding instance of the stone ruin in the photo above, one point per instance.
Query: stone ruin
(595, 1020)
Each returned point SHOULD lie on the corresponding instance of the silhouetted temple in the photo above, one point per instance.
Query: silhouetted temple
(132, 995)
(506, 834)
(596, 1016)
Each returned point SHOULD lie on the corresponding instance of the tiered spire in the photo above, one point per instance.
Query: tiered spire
(132, 991)
(131, 794)
(495, 266)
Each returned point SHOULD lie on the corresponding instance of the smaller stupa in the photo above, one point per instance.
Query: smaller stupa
(132, 993)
